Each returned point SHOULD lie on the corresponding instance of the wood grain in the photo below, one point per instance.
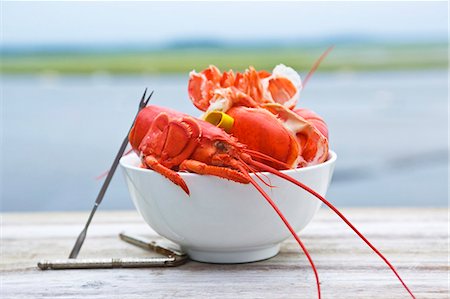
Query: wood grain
(414, 240)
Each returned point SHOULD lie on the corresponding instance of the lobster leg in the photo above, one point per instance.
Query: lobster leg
(151, 162)
(223, 172)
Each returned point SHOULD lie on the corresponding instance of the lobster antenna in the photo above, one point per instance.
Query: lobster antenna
(288, 225)
(337, 212)
(316, 65)
(256, 154)
(252, 170)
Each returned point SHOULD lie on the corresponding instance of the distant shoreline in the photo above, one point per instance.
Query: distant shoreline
(376, 57)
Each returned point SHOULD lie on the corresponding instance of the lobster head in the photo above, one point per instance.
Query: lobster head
(172, 137)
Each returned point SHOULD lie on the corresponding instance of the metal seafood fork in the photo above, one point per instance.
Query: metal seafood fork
(80, 240)
(172, 257)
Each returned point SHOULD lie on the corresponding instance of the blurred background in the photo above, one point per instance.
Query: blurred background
(72, 74)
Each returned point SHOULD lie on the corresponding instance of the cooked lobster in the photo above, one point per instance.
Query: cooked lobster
(169, 141)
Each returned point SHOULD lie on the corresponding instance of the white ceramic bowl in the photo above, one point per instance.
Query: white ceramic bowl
(224, 221)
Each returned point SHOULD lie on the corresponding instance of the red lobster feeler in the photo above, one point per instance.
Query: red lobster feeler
(168, 141)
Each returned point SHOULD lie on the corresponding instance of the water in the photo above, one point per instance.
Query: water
(388, 129)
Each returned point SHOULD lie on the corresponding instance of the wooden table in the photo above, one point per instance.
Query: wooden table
(415, 240)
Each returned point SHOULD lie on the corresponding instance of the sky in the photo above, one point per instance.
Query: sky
(97, 23)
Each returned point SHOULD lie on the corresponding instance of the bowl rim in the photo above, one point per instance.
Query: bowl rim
(332, 156)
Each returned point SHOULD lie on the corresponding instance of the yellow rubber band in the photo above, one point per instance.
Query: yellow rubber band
(220, 119)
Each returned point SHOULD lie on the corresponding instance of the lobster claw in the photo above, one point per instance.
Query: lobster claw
(167, 143)
(171, 140)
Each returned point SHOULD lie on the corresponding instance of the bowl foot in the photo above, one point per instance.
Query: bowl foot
(233, 257)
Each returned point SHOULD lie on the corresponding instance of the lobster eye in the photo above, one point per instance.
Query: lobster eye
(221, 146)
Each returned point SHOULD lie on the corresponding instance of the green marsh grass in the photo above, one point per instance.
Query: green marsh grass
(342, 58)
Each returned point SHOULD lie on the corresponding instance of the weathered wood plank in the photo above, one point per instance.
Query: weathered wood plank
(415, 241)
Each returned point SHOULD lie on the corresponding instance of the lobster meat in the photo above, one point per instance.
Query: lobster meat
(281, 86)
(168, 141)
(277, 93)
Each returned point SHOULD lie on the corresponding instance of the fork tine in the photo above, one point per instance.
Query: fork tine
(143, 97)
(148, 99)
